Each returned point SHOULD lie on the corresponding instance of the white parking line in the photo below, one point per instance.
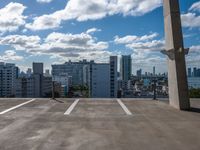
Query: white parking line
(15, 107)
(124, 107)
(69, 110)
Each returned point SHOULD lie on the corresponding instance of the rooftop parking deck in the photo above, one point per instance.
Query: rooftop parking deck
(97, 124)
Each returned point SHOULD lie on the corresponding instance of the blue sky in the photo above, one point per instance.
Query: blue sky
(54, 31)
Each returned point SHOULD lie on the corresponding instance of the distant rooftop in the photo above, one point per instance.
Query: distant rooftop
(97, 124)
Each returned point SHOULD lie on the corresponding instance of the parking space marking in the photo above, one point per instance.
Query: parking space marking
(15, 107)
(127, 111)
(69, 110)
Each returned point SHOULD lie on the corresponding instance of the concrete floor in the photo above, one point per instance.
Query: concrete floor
(98, 125)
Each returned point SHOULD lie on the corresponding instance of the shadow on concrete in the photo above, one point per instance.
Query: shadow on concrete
(196, 110)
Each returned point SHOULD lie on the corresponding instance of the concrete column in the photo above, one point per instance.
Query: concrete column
(177, 77)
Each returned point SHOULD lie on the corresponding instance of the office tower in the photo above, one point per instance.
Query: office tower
(113, 76)
(189, 72)
(100, 81)
(198, 72)
(37, 85)
(139, 73)
(25, 87)
(46, 86)
(37, 74)
(195, 72)
(62, 83)
(154, 71)
(29, 72)
(77, 70)
(8, 74)
(38, 68)
(126, 67)
(47, 73)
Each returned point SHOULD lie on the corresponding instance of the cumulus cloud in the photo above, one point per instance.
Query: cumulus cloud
(195, 7)
(133, 38)
(11, 17)
(145, 50)
(20, 42)
(60, 45)
(10, 55)
(83, 10)
(192, 19)
(195, 48)
(141, 43)
(194, 55)
(92, 30)
(44, 1)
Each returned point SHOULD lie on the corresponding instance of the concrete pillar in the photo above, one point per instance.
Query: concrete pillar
(177, 78)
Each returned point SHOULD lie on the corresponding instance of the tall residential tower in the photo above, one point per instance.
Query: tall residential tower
(126, 67)
(113, 76)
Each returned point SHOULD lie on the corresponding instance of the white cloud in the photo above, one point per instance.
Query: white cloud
(146, 50)
(190, 20)
(194, 55)
(11, 17)
(133, 38)
(195, 7)
(155, 45)
(195, 48)
(44, 1)
(141, 43)
(20, 42)
(83, 10)
(10, 55)
(60, 45)
(92, 30)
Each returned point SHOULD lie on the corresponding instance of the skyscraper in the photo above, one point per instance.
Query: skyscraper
(154, 71)
(35, 85)
(8, 74)
(126, 67)
(38, 74)
(189, 72)
(38, 68)
(195, 72)
(113, 76)
(29, 72)
(77, 70)
(100, 81)
(139, 73)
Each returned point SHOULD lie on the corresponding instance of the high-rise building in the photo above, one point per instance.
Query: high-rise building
(126, 67)
(8, 74)
(189, 72)
(139, 73)
(100, 81)
(195, 72)
(38, 75)
(36, 85)
(37, 68)
(25, 87)
(154, 71)
(198, 72)
(29, 72)
(62, 83)
(77, 70)
(113, 77)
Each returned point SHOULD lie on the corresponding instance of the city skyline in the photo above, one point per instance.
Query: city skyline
(28, 35)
